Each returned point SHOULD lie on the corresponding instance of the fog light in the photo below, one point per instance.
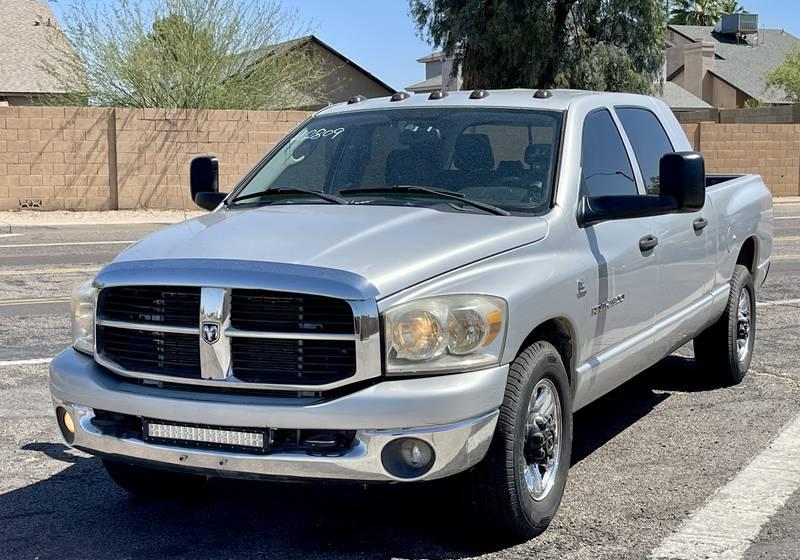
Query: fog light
(407, 457)
(66, 424)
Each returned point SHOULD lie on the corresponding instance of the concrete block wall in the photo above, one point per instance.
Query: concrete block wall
(66, 158)
(54, 157)
(57, 158)
(770, 150)
(154, 147)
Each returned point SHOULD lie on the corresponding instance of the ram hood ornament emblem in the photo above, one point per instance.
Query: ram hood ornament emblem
(210, 332)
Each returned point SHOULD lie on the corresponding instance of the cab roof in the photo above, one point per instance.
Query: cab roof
(558, 100)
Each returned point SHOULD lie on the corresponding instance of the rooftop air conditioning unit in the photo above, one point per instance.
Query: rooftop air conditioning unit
(737, 24)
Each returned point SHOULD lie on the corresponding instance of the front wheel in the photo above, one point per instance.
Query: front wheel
(725, 349)
(518, 486)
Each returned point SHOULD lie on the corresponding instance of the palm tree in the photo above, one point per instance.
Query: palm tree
(697, 12)
(730, 7)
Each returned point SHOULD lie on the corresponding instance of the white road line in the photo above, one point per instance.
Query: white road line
(10, 234)
(68, 244)
(11, 363)
(33, 301)
(53, 270)
(778, 302)
(728, 523)
(787, 218)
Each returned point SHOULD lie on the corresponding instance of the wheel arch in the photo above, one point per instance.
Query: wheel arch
(748, 254)
(559, 332)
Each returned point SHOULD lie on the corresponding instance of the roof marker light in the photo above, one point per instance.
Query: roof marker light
(356, 99)
(400, 96)
(543, 94)
(479, 94)
(439, 94)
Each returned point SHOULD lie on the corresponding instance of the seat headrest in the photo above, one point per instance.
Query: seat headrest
(538, 154)
(473, 152)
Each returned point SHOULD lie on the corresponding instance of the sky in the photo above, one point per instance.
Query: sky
(380, 36)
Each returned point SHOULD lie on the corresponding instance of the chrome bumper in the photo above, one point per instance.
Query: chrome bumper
(455, 414)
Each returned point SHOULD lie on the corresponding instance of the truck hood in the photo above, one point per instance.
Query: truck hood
(390, 246)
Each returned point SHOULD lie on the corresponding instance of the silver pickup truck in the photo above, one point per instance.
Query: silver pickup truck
(412, 288)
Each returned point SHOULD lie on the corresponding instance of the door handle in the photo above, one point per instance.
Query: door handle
(700, 224)
(647, 243)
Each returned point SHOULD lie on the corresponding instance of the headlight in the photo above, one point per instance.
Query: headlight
(447, 333)
(83, 301)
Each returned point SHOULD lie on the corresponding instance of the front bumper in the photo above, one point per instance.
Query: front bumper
(455, 414)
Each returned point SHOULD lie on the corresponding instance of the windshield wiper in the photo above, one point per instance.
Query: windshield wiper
(425, 190)
(286, 190)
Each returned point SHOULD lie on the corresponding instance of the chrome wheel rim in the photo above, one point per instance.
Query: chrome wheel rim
(542, 446)
(743, 326)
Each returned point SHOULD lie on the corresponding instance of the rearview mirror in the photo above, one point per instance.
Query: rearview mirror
(204, 182)
(683, 177)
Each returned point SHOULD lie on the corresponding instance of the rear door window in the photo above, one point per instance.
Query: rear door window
(649, 141)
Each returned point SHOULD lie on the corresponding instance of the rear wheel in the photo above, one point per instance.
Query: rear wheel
(145, 481)
(726, 348)
(517, 488)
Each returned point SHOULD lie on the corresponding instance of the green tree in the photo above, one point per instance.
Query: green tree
(730, 7)
(702, 12)
(786, 77)
(206, 54)
(614, 45)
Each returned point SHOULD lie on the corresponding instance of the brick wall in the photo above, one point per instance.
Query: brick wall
(770, 150)
(93, 159)
(54, 155)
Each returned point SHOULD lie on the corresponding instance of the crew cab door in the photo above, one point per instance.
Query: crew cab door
(623, 296)
(685, 255)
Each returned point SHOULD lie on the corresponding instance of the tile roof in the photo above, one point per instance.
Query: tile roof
(679, 99)
(24, 46)
(431, 84)
(745, 65)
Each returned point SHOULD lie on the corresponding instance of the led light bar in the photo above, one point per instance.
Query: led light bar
(205, 435)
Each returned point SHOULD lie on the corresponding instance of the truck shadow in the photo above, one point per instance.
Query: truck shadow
(79, 512)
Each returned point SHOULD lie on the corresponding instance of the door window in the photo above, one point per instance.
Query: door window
(649, 141)
(606, 168)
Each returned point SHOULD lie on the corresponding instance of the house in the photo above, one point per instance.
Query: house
(341, 77)
(438, 70)
(678, 99)
(726, 65)
(26, 42)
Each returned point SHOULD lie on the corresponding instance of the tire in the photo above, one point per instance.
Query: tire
(499, 489)
(155, 483)
(724, 349)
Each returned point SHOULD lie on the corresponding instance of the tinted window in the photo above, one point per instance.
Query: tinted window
(649, 141)
(505, 157)
(606, 169)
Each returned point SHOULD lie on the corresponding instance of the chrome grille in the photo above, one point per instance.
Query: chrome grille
(316, 362)
(151, 352)
(261, 310)
(151, 304)
(222, 336)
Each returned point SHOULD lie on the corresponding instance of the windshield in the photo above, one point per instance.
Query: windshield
(501, 157)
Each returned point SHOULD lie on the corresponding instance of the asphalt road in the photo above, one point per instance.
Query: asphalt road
(646, 456)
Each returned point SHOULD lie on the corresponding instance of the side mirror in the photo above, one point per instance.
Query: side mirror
(204, 182)
(683, 177)
(595, 209)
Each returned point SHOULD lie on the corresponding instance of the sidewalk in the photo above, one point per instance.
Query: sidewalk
(786, 200)
(67, 218)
